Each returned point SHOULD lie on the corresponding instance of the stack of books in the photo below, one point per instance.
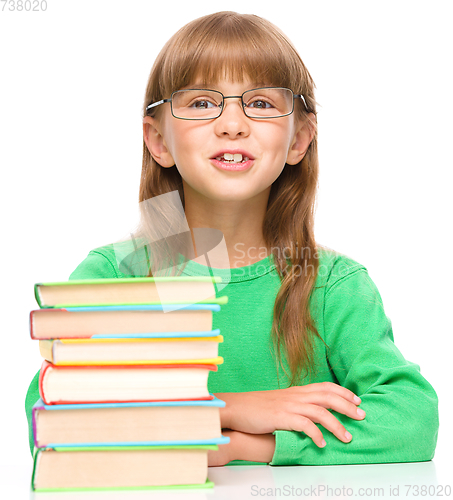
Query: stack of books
(123, 385)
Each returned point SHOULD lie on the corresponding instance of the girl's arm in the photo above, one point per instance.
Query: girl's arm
(243, 446)
(401, 407)
(296, 408)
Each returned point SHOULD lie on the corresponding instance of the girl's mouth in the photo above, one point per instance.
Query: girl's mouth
(233, 160)
(235, 164)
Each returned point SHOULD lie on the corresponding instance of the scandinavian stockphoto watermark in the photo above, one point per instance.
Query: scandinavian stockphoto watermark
(164, 244)
(23, 5)
(286, 254)
(325, 491)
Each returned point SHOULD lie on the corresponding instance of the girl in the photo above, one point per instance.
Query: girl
(311, 374)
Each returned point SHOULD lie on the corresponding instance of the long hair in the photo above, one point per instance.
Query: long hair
(232, 45)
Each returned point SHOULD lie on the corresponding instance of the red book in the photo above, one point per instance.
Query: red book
(123, 383)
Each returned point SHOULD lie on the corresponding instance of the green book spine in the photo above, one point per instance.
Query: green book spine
(207, 484)
(219, 300)
(214, 279)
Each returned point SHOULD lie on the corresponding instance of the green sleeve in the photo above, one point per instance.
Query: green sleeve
(401, 422)
(98, 264)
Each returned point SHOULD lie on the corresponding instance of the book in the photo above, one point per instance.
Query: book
(131, 291)
(121, 321)
(127, 424)
(199, 350)
(57, 469)
(123, 383)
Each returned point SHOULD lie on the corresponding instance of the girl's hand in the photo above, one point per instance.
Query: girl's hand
(296, 408)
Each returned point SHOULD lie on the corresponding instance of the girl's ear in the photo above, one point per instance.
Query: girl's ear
(155, 142)
(305, 131)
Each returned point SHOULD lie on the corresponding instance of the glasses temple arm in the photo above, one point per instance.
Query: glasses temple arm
(157, 103)
(303, 99)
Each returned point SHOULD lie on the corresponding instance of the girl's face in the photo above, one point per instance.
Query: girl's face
(193, 146)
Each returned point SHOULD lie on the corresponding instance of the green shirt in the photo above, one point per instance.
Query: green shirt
(401, 422)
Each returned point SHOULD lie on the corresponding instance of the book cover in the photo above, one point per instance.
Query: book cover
(159, 290)
(123, 383)
(108, 412)
(95, 351)
(121, 468)
(120, 321)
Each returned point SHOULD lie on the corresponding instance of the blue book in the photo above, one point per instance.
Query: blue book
(123, 321)
(161, 423)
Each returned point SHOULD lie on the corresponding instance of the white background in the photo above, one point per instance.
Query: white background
(72, 83)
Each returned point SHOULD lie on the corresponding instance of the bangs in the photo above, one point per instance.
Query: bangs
(229, 46)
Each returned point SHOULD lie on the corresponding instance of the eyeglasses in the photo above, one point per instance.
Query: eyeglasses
(205, 104)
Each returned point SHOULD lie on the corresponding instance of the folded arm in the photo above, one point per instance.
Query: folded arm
(401, 407)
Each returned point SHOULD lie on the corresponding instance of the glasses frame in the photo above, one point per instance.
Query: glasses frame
(222, 106)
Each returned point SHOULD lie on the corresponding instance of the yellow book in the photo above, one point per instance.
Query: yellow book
(134, 351)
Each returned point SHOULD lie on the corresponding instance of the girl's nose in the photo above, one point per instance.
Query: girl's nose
(232, 121)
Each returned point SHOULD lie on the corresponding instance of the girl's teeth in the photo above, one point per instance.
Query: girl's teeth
(230, 158)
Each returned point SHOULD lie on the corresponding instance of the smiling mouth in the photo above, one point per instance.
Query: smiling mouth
(232, 158)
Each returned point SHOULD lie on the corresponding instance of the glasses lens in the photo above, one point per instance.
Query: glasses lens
(197, 104)
(268, 102)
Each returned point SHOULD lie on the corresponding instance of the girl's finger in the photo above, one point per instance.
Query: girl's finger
(334, 402)
(320, 415)
(303, 424)
(332, 388)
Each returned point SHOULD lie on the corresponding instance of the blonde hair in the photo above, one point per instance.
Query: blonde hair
(231, 45)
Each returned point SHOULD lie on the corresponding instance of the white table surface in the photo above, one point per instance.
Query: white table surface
(383, 481)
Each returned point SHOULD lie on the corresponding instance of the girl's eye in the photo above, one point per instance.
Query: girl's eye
(260, 104)
(202, 104)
